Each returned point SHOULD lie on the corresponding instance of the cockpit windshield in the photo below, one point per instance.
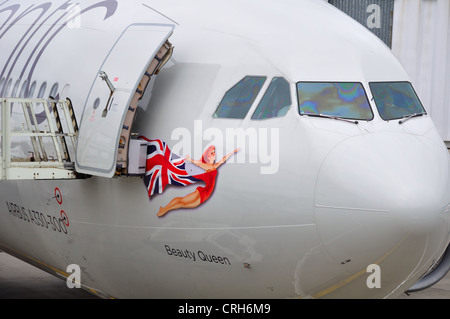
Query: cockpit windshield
(396, 100)
(334, 100)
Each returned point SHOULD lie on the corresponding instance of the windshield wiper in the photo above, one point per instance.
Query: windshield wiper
(410, 116)
(335, 117)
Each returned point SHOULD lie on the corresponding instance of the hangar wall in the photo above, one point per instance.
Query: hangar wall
(421, 41)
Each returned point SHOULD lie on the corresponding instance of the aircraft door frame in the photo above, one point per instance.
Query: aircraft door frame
(111, 95)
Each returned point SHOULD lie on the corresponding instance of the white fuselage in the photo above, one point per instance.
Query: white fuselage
(301, 210)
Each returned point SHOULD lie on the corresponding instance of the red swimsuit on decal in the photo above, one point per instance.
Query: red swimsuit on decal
(210, 179)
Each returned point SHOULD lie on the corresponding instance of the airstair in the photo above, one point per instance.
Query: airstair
(46, 129)
(40, 139)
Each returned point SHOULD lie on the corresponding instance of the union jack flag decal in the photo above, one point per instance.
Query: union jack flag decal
(164, 168)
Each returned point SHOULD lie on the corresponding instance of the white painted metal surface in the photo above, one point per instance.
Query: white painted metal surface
(106, 106)
(301, 210)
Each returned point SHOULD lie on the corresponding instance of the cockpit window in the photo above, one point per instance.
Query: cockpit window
(339, 100)
(238, 100)
(275, 102)
(396, 100)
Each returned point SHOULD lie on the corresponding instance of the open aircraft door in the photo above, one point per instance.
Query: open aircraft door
(105, 128)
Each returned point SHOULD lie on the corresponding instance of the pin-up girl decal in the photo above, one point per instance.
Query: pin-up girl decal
(165, 168)
(201, 194)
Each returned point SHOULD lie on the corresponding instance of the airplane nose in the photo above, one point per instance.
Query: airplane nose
(375, 190)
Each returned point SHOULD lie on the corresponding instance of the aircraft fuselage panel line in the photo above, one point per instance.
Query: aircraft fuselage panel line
(160, 150)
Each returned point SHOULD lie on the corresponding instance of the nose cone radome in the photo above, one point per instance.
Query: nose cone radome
(375, 190)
